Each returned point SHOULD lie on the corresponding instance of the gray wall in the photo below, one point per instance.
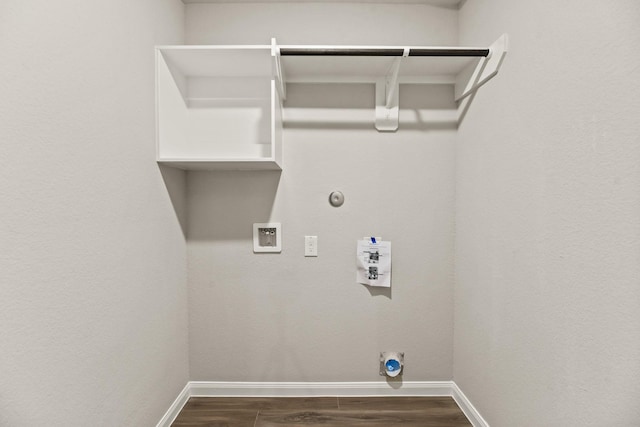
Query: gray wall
(548, 208)
(93, 301)
(284, 317)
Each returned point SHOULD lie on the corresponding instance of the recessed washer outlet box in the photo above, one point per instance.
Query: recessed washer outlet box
(267, 237)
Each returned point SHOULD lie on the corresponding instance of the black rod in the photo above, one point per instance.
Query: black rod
(448, 52)
(301, 51)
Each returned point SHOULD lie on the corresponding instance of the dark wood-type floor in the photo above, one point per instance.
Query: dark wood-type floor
(321, 411)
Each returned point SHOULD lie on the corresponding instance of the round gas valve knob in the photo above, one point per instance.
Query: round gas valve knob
(336, 199)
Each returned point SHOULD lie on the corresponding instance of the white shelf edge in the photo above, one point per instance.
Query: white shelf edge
(216, 159)
(214, 47)
(227, 99)
(434, 79)
(312, 47)
(222, 164)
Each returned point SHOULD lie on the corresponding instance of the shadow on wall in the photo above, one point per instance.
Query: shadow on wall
(175, 181)
(224, 204)
(352, 106)
(378, 291)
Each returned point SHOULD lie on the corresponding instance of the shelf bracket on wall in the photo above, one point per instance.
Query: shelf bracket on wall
(477, 74)
(278, 71)
(387, 97)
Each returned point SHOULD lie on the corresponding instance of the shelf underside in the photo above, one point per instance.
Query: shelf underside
(221, 164)
(220, 61)
(369, 68)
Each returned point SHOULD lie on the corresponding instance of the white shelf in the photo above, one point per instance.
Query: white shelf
(220, 107)
(467, 68)
(217, 108)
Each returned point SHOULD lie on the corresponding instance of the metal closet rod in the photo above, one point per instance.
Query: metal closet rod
(301, 51)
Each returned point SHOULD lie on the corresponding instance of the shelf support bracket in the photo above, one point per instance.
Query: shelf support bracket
(472, 78)
(387, 98)
(278, 71)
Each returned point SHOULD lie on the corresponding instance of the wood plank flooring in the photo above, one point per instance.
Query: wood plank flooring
(321, 411)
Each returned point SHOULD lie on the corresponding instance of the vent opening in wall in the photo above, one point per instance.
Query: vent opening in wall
(391, 363)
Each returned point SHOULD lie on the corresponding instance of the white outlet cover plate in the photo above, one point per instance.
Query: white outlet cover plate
(310, 246)
(256, 237)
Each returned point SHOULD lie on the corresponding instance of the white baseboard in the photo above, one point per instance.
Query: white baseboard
(467, 407)
(175, 408)
(313, 389)
(310, 389)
